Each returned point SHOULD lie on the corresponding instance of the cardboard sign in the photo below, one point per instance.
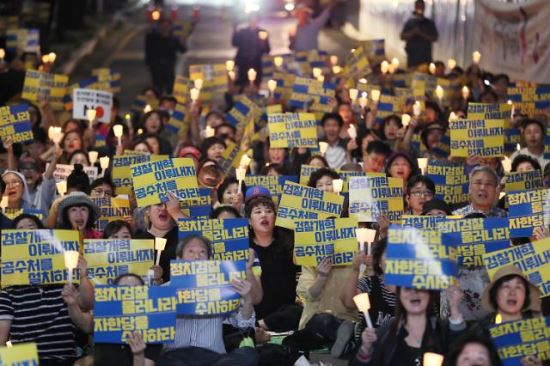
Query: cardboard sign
(107, 79)
(231, 157)
(62, 172)
(153, 180)
(19, 354)
(204, 287)
(289, 130)
(357, 63)
(243, 111)
(475, 237)
(15, 123)
(35, 257)
(372, 197)
(229, 238)
(417, 258)
(425, 222)
(450, 179)
(285, 81)
(518, 339)
(501, 111)
(313, 95)
(524, 181)
(111, 209)
(199, 206)
(530, 258)
(176, 124)
(181, 89)
(24, 40)
(214, 79)
(39, 86)
(305, 203)
(477, 138)
(528, 210)
(101, 101)
(109, 258)
(314, 240)
(121, 174)
(119, 311)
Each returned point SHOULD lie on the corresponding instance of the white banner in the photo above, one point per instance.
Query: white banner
(101, 101)
(514, 38)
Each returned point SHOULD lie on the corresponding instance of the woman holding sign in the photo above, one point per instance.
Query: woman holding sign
(412, 332)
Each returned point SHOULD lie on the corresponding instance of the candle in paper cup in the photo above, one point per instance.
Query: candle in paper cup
(518, 147)
(118, 130)
(352, 132)
(4, 202)
(263, 35)
(431, 68)
(71, 262)
(45, 59)
(229, 65)
(278, 61)
(55, 134)
(231, 75)
(245, 161)
(498, 318)
(317, 71)
(476, 57)
(209, 132)
(375, 95)
(453, 116)
(362, 302)
(240, 174)
(2, 53)
(323, 146)
(160, 243)
(52, 57)
(198, 84)
(432, 359)
(451, 63)
(365, 235)
(252, 75)
(422, 164)
(147, 109)
(337, 185)
(363, 100)
(405, 120)
(395, 63)
(416, 109)
(272, 85)
(194, 93)
(320, 78)
(439, 92)
(353, 93)
(385, 67)
(333, 60)
(90, 114)
(104, 162)
(92, 156)
(465, 92)
(336, 69)
(61, 187)
(507, 164)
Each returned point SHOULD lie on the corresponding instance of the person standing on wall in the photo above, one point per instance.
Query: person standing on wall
(419, 33)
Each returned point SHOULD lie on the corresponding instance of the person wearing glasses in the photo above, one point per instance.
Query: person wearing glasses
(420, 189)
(483, 194)
(101, 187)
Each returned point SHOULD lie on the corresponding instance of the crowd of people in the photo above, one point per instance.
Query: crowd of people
(314, 303)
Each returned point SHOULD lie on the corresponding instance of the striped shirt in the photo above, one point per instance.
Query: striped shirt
(39, 314)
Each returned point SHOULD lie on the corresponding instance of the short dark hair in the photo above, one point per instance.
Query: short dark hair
(378, 147)
(530, 121)
(320, 173)
(149, 114)
(387, 120)
(2, 185)
(224, 208)
(378, 249)
(36, 220)
(226, 124)
(100, 181)
(257, 201)
(229, 180)
(319, 157)
(525, 159)
(414, 180)
(334, 116)
(277, 167)
(500, 281)
(472, 337)
(114, 227)
(499, 77)
(169, 98)
(183, 243)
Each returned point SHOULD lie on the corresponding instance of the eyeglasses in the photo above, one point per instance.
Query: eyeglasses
(13, 184)
(102, 193)
(479, 183)
(422, 193)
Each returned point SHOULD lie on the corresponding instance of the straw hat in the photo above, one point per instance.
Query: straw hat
(534, 293)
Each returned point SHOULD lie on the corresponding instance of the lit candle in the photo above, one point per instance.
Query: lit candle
(194, 93)
(229, 65)
(160, 243)
(395, 63)
(4, 202)
(518, 147)
(451, 63)
(71, 262)
(263, 35)
(337, 185)
(198, 84)
(323, 147)
(147, 109)
(352, 132)
(61, 187)
(118, 130)
(278, 61)
(353, 93)
(272, 85)
(209, 132)
(336, 69)
(452, 116)
(92, 156)
(245, 161)
(55, 134)
(52, 56)
(252, 75)
(416, 109)
(363, 81)
(375, 95)
(91, 113)
(431, 68)
(240, 175)
(498, 319)
(405, 120)
(513, 107)
(104, 163)
(465, 92)
(321, 78)
(363, 304)
(432, 359)
(507, 164)
(317, 71)
(384, 67)
(439, 92)
(422, 164)
(231, 75)
(333, 60)
(45, 59)
(364, 99)
(476, 57)
(365, 236)
(2, 53)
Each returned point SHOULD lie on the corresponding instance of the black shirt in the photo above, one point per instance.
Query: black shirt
(169, 251)
(419, 49)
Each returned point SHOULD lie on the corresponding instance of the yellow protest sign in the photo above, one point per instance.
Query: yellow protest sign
(284, 85)
(530, 258)
(312, 94)
(315, 240)
(214, 78)
(35, 257)
(267, 181)
(111, 209)
(121, 173)
(425, 222)
(153, 180)
(477, 138)
(357, 63)
(40, 86)
(301, 202)
(524, 181)
(19, 354)
(231, 157)
(490, 111)
(372, 197)
(109, 258)
(289, 130)
(181, 89)
(244, 110)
